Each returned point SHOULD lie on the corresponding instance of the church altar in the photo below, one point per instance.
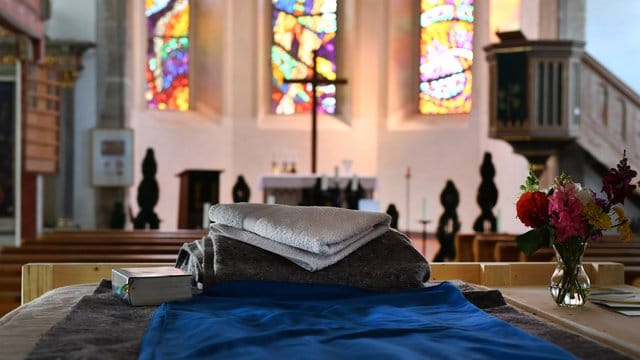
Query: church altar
(287, 188)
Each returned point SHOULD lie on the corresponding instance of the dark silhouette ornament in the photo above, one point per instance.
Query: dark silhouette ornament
(148, 194)
(241, 191)
(487, 197)
(448, 224)
(393, 212)
(353, 194)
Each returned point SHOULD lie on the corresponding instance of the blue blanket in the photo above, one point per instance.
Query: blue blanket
(278, 320)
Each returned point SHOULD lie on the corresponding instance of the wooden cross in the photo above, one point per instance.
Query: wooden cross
(315, 81)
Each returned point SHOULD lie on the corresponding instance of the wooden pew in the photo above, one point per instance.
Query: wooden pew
(632, 275)
(484, 244)
(507, 251)
(626, 260)
(133, 237)
(88, 246)
(53, 248)
(464, 247)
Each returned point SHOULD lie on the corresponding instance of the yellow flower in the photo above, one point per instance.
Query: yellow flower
(624, 229)
(596, 217)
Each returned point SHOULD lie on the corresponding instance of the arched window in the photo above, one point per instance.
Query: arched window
(299, 28)
(446, 56)
(167, 68)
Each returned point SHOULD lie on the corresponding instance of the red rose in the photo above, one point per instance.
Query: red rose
(533, 209)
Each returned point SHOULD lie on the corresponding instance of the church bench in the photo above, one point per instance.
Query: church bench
(10, 283)
(52, 248)
(12, 259)
(605, 252)
(632, 275)
(121, 236)
(464, 247)
(10, 269)
(509, 251)
(61, 257)
(626, 260)
(597, 244)
(502, 247)
(506, 251)
(116, 238)
(9, 300)
(484, 244)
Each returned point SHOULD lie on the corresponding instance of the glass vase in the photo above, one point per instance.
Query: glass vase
(570, 284)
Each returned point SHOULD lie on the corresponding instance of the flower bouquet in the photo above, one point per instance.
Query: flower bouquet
(566, 216)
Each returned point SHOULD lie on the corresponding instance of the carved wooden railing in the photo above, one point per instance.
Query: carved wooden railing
(546, 94)
(610, 115)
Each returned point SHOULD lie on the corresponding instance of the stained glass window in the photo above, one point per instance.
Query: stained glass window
(167, 70)
(446, 56)
(299, 27)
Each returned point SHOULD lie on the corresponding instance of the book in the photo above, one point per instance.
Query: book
(151, 285)
(620, 301)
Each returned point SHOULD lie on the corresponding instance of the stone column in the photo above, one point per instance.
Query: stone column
(111, 38)
(66, 56)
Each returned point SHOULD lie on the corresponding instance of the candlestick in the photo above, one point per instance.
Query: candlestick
(424, 208)
(205, 215)
(354, 183)
(324, 183)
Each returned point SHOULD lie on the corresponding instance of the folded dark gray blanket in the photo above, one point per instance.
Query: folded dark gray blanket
(101, 326)
(388, 262)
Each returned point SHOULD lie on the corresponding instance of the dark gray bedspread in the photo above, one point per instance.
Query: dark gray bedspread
(388, 262)
(101, 326)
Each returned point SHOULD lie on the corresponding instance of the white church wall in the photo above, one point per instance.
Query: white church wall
(438, 148)
(617, 48)
(199, 139)
(231, 129)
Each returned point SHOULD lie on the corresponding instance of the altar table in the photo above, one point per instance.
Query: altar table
(287, 188)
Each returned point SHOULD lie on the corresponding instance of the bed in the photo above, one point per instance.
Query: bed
(50, 291)
(314, 283)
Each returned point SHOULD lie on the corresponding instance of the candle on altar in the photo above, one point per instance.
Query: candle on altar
(205, 215)
(354, 183)
(324, 183)
(424, 208)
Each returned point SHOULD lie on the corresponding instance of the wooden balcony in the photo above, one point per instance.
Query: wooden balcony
(546, 94)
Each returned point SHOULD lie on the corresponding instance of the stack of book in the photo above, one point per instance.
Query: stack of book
(619, 300)
(151, 285)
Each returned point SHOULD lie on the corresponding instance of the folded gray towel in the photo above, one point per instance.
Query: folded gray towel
(388, 262)
(311, 236)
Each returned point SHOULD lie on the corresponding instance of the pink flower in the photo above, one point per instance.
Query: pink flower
(566, 213)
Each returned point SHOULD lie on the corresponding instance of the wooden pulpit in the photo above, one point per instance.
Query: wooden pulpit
(196, 188)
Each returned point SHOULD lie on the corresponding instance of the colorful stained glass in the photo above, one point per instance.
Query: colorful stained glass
(167, 73)
(299, 28)
(446, 56)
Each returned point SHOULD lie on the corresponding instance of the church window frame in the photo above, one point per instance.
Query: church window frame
(168, 63)
(341, 94)
(446, 46)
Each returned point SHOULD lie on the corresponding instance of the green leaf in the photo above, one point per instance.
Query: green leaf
(531, 183)
(533, 240)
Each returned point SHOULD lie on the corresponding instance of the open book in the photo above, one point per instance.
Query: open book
(151, 285)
